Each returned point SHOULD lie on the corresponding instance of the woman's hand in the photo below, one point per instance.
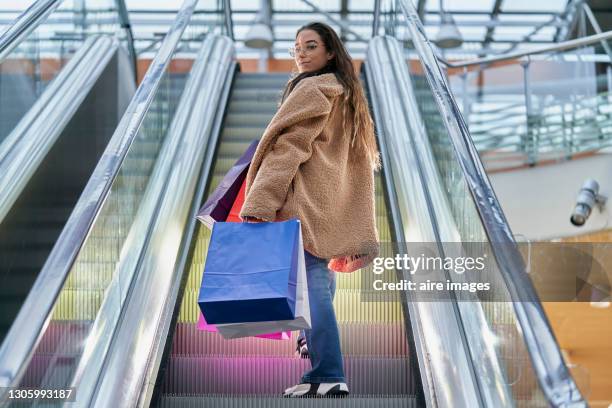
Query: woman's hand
(252, 219)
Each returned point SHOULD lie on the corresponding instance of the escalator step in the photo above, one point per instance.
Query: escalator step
(357, 339)
(271, 375)
(257, 95)
(259, 82)
(21, 259)
(223, 401)
(9, 307)
(56, 369)
(78, 304)
(42, 216)
(91, 275)
(69, 336)
(17, 284)
(36, 236)
(347, 303)
(247, 119)
(263, 107)
(240, 134)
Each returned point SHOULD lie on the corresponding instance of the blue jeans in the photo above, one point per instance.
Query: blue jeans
(323, 339)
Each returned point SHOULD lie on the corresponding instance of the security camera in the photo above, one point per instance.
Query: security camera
(588, 197)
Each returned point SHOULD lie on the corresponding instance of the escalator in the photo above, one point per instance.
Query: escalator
(58, 110)
(433, 176)
(202, 368)
(122, 330)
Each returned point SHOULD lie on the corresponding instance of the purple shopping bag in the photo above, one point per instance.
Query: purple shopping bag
(220, 202)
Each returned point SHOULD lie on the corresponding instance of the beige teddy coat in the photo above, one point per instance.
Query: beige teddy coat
(301, 169)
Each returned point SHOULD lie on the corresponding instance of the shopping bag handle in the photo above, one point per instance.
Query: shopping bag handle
(252, 219)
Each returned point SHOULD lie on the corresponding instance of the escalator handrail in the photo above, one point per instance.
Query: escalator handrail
(553, 375)
(25, 24)
(130, 367)
(28, 328)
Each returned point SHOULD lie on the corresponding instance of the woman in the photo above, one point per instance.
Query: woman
(316, 162)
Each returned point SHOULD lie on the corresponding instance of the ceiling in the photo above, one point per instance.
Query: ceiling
(487, 26)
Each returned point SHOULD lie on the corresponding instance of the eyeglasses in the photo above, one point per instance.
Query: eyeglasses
(293, 51)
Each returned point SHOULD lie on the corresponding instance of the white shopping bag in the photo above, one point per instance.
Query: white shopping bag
(302, 310)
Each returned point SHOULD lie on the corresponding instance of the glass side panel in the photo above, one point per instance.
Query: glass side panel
(501, 326)
(498, 352)
(92, 295)
(27, 70)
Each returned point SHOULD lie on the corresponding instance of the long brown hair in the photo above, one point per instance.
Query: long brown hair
(356, 115)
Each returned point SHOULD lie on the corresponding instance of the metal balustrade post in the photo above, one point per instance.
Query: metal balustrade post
(466, 96)
(376, 22)
(572, 141)
(609, 77)
(566, 133)
(124, 23)
(528, 145)
(229, 24)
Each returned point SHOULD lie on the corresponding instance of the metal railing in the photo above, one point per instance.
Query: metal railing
(25, 24)
(559, 131)
(422, 216)
(547, 361)
(27, 330)
(169, 218)
(564, 46)
(40, 10)
(538, 112)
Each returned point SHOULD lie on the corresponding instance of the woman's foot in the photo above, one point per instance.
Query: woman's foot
(320, 390)
(302, 348)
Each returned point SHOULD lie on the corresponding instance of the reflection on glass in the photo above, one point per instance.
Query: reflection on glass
(61, 347)
(94, 276)
(27, 70)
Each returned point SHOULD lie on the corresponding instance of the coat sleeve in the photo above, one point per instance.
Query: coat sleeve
(290, 135)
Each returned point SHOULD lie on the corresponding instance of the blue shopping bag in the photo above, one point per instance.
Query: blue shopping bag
(250, 273)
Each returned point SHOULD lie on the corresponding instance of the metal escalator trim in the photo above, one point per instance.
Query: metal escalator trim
(416, 342)
(171, 311)
(554, 48)
(24, 149)
(16, 351)
(447, 373)
(26, 23)
(553, 375)
(163, 218)
(35, 136)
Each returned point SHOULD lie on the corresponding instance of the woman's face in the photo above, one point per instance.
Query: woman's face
(310, 52)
